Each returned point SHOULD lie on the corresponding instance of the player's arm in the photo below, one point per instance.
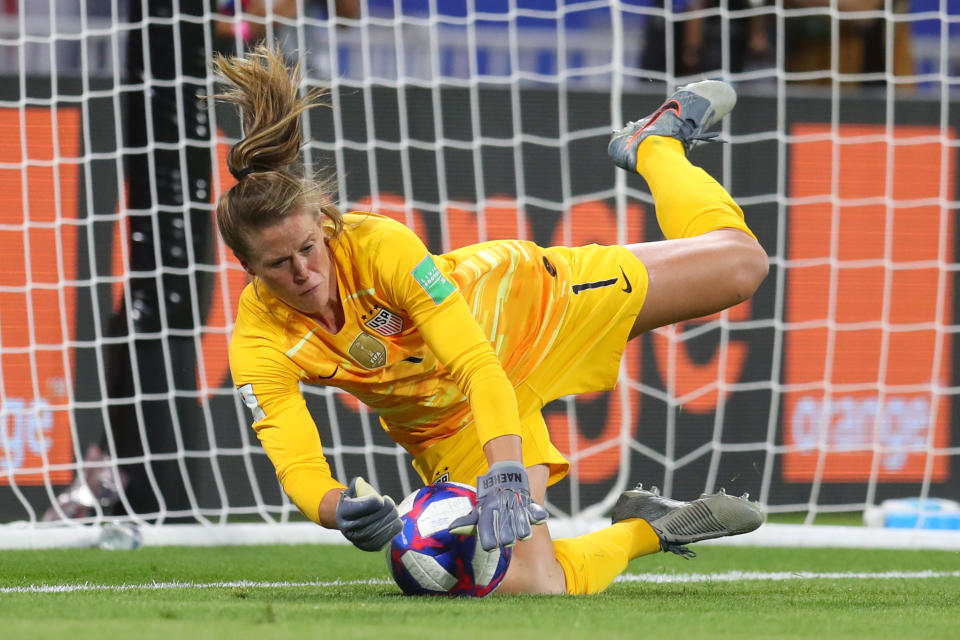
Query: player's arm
(405, 271)
(290, 438)
(505, 510)
(269, 386)
(456, 339)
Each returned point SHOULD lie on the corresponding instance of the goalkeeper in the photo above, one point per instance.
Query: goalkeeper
(458, 353)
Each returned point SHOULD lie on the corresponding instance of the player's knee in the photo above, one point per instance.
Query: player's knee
(534, 569)
(750, 267)
(522, 578)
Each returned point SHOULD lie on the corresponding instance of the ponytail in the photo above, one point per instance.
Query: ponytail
(270, 182)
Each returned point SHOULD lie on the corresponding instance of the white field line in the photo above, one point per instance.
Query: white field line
(657, 578)
(157, 586)
(737, 576)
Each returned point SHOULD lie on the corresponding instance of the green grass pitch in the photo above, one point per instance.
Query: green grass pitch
(338, 592)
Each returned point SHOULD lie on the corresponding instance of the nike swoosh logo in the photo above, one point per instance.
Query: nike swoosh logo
(629, 287)
(319, 377)
(671, 105)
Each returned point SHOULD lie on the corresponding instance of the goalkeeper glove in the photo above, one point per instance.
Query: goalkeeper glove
(365, 518)
(504, 510)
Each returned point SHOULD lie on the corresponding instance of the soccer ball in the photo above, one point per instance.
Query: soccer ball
(426, 559)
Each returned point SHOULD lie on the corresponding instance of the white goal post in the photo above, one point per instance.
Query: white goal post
(831, 391)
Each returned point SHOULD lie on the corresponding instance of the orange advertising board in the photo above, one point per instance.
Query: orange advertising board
(868, 296)
(39, 180)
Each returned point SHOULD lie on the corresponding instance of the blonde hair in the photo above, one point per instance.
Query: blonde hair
(270, 183)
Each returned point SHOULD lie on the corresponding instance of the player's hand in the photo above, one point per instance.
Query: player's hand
(505, 511)
(365, 518)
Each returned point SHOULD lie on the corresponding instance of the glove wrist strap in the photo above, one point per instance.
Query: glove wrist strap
(507, 473)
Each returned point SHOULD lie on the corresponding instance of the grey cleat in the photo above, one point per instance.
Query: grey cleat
(678, 523)
(686, 115)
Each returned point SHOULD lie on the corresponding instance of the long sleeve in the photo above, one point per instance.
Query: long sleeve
(449, 329)
(268, 383)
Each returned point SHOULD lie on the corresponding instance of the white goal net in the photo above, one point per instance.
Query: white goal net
(832, 390)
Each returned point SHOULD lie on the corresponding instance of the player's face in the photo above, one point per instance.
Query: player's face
(293, 261)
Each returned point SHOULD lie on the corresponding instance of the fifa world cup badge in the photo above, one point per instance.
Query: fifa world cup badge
(369, 352)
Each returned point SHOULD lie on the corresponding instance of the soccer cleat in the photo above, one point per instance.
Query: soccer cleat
(678, 523)
(686, 115)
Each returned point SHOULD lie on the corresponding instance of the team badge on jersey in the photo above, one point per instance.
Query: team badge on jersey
(369, 352)
(386, 323)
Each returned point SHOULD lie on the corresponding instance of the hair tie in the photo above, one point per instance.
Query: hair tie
(243, 173)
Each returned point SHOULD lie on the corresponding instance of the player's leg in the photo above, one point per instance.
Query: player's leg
(694, 277)
(592, 562)
(643, 523)
(585, 564)
(710, 260)
(581, 565)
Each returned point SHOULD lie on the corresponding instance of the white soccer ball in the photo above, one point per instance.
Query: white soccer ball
(426, 559)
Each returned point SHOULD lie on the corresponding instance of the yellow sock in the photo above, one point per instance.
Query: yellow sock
(591, 562)
(689, 201)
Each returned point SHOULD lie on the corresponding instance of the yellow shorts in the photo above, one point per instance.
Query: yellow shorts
(586, 355)
(608, 286)
(460, 457)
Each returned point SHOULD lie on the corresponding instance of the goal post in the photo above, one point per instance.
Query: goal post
(832, 390)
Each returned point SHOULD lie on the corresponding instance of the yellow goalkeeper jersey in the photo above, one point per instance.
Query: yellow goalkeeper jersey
(430, 343)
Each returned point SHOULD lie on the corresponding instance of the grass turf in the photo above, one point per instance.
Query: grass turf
(810, 608)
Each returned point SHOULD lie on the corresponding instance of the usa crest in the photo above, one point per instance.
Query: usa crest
(386, 323)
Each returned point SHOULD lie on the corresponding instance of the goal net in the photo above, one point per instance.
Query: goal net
(829, 392)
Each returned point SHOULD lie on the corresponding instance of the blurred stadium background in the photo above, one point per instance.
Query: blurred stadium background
(831, 391)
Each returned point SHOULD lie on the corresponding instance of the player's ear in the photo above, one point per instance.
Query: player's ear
(244, 264)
